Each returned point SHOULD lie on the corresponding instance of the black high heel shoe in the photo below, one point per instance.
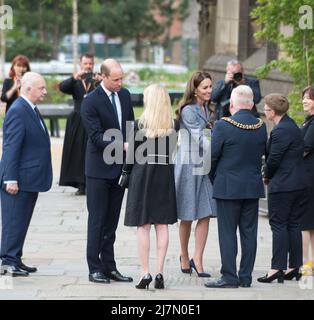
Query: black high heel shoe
(188, 270)
(144, 282)
(199, 274)
(159, 281)
(279, 275)
(295, 273)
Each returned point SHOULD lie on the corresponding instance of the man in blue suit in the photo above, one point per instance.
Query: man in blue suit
(238, 144)
(25, 170)
(106, 109)
(222, 89)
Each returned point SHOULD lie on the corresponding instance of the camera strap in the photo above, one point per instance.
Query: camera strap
(86, 87)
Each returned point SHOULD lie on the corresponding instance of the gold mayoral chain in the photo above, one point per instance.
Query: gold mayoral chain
(244, 126)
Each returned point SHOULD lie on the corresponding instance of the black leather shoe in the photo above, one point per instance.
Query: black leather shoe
(117, 276)
(199, 274)
(220, 283)
(159, 282)
(279, 276)
(295, 273)
(13, 271)
(26, 268)
(98, 277)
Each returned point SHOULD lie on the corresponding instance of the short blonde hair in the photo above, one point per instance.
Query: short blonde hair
(157, 118)
(277, 102)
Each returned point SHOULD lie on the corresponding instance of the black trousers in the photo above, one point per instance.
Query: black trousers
(285, 210)
(231, 214)
(17, 211)
(104, 200)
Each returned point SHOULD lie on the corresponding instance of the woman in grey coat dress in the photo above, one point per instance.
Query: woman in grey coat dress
(192, 165)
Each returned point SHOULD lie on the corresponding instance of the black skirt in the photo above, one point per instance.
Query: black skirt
(151, 195)
(73, 155)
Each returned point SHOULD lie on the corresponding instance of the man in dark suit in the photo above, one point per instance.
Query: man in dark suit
(238, 144)
(108, 107)
(75, 138)
(284, 172)
(222, 89)
(25, 170)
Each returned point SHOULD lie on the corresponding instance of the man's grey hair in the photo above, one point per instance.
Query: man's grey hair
(28, 80)
(242, 97)
(234, 62)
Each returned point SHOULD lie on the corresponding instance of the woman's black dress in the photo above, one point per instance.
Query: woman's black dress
(7, 85)
(151, 194)
(307, 129)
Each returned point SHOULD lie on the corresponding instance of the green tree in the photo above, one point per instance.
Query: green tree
(169, 9)
(38, 27)
(298, 47)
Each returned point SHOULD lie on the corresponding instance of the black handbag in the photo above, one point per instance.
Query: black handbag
(124, 179)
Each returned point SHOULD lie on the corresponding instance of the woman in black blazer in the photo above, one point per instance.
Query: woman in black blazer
(307, 222)
(11, 85)
(284, 173)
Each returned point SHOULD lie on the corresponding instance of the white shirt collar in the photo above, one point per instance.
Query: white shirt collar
(108, 92)
(28, 101)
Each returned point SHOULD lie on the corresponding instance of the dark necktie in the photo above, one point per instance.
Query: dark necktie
(39, 118)
(114, 104)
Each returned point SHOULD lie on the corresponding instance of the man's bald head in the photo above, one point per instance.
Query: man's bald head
(33, 86)
(108, 65)
(112, 74)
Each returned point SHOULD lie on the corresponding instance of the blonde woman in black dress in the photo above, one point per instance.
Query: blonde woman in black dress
(151, 196)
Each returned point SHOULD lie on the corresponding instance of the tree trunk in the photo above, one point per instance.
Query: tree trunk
(55, 42)
(206, 27)
(74, 34)
(138, 49)
(41, 31)
(91, 45)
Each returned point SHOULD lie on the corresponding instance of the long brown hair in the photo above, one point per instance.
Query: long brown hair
(189, 94)
(22, 60)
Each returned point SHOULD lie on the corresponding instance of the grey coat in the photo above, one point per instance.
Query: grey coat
(192, 165)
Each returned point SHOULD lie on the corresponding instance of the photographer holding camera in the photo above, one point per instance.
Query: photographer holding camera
(75, 139)
(222, 89)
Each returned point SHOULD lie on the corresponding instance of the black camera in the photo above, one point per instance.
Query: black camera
(238, 76)
(88, 77)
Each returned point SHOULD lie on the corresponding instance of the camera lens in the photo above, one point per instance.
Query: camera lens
(237, 76)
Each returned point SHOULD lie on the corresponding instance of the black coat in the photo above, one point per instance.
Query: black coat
(237, 158)
(307, 131)
(284, 158)
(98, 116)
(7, 85)
(222, 92)
(75, 139)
